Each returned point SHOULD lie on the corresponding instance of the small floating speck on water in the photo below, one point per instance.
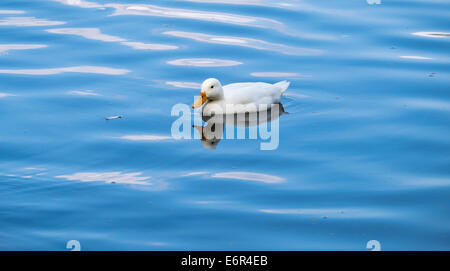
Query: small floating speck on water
(113, 117)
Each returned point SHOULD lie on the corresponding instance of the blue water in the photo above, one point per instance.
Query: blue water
(363, 153)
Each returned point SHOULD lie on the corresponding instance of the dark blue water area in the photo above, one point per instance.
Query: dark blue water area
(363, 152)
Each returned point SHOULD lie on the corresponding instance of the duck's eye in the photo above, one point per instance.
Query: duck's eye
(212, 86)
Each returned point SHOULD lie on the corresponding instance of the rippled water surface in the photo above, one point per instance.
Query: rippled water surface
(363, 153)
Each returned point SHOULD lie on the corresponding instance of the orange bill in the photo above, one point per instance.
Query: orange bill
(200, 101)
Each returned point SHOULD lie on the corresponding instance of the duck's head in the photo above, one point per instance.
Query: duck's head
(211, 90)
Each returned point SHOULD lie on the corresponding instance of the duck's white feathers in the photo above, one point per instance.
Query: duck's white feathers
(249, 95)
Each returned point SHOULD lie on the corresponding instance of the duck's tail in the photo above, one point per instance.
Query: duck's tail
(283, 85)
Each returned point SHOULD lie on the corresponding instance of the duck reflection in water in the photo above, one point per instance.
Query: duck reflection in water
(216, 125)
(247, 104)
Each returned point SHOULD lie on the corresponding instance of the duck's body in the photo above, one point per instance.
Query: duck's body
(239, 97)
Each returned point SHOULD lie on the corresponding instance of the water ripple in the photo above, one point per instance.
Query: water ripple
(152, 10)
(278, 74)
(11, 11)
(4, 95)
(432, 34)
(96, 34)
(108, 177)
(429, 104)
(146, 137)
(84, 93)
(203, 62)
(8, 47)
(263, 3)
(88, 33)
(78, 69)
(148, 46)
(28, 21)
(177, 84)
(417, 57)
(245, 42)
(249, 176)
(80, 3)
(337, 213)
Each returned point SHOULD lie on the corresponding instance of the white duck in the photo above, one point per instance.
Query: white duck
(238, 97)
